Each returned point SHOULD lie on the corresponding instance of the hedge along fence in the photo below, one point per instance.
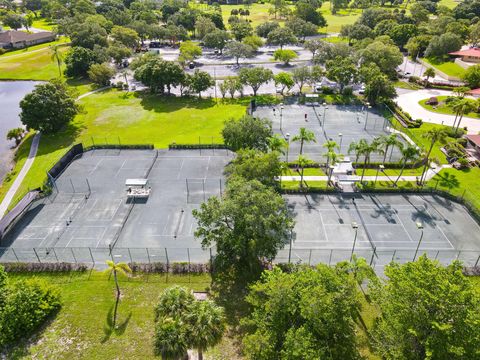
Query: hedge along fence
(197, 146)
(389, 165)
(35, 267)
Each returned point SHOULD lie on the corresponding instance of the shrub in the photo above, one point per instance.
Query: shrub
(28, 304)
(413, 79)
(43, 267)
(463, 162)
(347, 91)
(455, 134)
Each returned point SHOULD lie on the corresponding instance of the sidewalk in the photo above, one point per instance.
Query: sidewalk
(21, 175)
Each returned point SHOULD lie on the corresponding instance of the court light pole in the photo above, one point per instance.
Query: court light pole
(340, 135)
(287, 137)
(355, 227)
(366, 115)
(325, 107)
(419, 227)
(281, 115)
(380, 168)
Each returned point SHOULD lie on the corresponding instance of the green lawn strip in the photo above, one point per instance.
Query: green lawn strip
(406, 85)
(21, 155)
(306, 172)
(336, 39)
(32, 65)
(449, 3)
(81, 330)
(448, 67)
(391, 172)
(460, 183)
(60, 41)
(442, 107)
(311, 185)
(137, 119)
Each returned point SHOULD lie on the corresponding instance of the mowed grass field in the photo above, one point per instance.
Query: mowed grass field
(442, 108)
(448, 67)
(34, 63)
(134, 118)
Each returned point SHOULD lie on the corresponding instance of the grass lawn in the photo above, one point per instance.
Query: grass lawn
(448, 67)
(312, 185)
(61, 40)
(460, 183)
(449, 3)
(81, 330)
(43, 24)
(406, 85)
(34, 64)
(336, 39)
(425, 143)
(442, 108)
(306, 172)
(136, 119)
(391, 172)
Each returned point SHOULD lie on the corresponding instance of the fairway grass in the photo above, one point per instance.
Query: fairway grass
(36, 64)
(134, 118)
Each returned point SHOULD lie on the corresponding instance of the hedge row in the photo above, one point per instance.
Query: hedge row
(391, 165)
(14, 267)
(173, 268)
(120, 146)
(196, 146)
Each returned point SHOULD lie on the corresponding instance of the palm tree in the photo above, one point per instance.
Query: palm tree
(114, 269)
(334, 158)
(437, 134)
(430, 72)
(365, 149)
(330, 145)
(389, 143)
(302, 161)
(208, 325)
(174, 302)
(277, 143)
(304, 136)
(409, 153)
(356, 147)
(465, 106)
(171, 338)
(57, 56)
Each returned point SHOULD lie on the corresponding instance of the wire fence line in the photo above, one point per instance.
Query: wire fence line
(97, 257)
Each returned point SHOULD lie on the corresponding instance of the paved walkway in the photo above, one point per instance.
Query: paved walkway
(21, 175)
(408, 101)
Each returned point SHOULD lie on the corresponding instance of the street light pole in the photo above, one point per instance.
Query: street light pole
(380, 168)
(355, 227)
(419, 227)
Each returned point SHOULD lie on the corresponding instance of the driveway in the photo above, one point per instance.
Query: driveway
(408, 101)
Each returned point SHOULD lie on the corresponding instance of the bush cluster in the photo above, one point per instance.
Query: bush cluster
(196, 146)
(24, 306)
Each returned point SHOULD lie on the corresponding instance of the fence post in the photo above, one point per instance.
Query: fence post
(438, 253)
(148, 255)
(310, 257)
(330, 258)
(55, 253)
(393, 256)
(130, 255)
(14, 253)
(91, 255)
(35, 251)
(458, 255)
(73, 254)
(203, 185)
(478, 259)
(188, 256)
(166, 256)
(373, 255)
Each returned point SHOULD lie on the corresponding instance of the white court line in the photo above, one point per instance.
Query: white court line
(206, 169)
(101, 238)
(95, 167)
(439, 228)
(180, 170)
(120, 168)
(404, 228)
(323, 226)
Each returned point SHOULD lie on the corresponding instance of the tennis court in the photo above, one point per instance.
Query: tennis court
(342, 123)
(90, 208)
(387, 223)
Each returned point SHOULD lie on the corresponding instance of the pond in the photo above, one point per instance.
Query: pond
(11, 92)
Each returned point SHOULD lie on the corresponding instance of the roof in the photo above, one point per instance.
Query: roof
(136, 182)
(474, 139)
(12, 36)
(474, 92)
(475, 52)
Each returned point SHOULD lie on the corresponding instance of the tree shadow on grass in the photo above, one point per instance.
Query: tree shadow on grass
(166, 104)
(63, 139)
(109, 329)
(448, 181)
